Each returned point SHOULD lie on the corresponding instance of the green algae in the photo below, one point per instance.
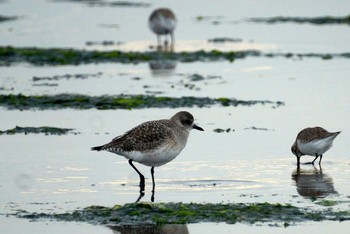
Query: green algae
(224, 39)
(259, 129)
(36, 130)
(56, 56)
(325, 202)
(76, 101)
(322, 20)
(220, 130)
(63, 56)
(224, 101)
(184, 213)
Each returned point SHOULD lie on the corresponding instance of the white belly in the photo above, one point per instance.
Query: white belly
(154, 158)
(162, 25)
(318, 147)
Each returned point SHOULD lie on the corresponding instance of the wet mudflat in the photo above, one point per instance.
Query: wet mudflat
(240, 169)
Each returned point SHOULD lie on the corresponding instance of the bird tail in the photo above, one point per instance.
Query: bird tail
(336, 133)
(97, 148)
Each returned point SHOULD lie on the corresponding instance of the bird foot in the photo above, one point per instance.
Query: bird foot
(142, 193)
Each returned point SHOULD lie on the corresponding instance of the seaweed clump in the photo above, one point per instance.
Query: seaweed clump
(77, 101)
(7, 18)
(102, 3)
(323, 20)
(66, 56)
(36, 130)
(182, 213)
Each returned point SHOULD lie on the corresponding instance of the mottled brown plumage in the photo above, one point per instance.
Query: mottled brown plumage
(165, 12)
(311, 134)
(148, 135)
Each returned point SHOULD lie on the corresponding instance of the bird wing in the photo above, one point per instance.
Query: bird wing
(311, 134)
(148, 135)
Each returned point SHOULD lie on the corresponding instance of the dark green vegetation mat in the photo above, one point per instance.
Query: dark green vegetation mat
(22, 102)
(323, 20)
(36, 130)
(56, 56)
(182, 213)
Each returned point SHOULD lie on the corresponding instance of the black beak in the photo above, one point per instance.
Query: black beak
(197, 127)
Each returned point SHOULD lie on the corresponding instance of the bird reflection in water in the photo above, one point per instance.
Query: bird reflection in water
(313, 183)
(162, 67)
(151, 229)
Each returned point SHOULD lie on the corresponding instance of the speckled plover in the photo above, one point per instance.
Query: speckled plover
(153, 143)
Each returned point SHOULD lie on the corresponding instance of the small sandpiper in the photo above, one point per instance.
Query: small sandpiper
(153, 143)
(314, 142)
(162, 22)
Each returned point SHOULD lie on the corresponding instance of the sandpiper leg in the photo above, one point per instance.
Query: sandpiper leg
(159, 40)
(153, 183)
(140, 196)
(315, 159)
(142, 178)
(319, 163)
(172, 39)
(298, 161)
(166, 42)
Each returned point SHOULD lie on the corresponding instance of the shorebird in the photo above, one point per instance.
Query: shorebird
(314, 142)
(162, 21)
(153, 143)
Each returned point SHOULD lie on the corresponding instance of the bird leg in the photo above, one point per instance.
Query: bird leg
(298, 161)
(142, 178)
(320, 168)
(159, 41)
(153, 184)
(319, 163)
(315, 159)
(166, 42)
(172, 38)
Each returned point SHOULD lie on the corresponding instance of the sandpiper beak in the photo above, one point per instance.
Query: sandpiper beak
(197, 127)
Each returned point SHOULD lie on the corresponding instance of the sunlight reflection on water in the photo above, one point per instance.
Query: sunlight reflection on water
(189, 46)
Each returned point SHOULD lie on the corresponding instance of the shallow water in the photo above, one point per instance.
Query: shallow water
(60, 173)
(69, 24)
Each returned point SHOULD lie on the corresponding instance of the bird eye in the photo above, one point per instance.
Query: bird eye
(186, 122)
